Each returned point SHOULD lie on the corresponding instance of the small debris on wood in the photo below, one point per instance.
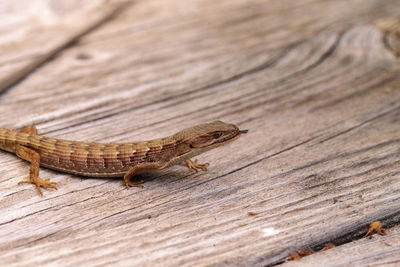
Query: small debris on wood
(251, 213)
(377, 228)
(328, 246)
(297, 255)
(293, 256)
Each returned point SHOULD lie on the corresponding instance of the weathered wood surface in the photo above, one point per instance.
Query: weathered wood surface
(313, 81)
(32, 32)
(373, 251)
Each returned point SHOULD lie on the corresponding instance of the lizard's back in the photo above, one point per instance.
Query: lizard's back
(84, 158)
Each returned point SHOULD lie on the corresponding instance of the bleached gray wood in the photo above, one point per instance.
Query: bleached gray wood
(313, 82)
(32, 32)
(373, 251)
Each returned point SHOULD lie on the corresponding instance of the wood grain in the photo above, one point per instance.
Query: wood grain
(313, 81)
(377, 250)
(33, 32)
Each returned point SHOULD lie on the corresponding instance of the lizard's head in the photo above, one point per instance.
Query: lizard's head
(209, 135)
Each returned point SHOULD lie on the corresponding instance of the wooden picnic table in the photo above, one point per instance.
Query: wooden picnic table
(316, 82)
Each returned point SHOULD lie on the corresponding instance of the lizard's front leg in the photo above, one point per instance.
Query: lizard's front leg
(193, 165)
(129, 175)
(34, 158)
(141, 167)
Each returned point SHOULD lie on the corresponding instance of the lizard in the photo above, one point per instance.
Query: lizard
(125, 160)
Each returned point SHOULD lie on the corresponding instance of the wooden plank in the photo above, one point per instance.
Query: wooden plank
(376, 250)
(33, 32)
(317, 89)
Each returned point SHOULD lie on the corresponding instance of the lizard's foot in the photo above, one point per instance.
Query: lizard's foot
(193, 165)
(134, 184)
(45, 183)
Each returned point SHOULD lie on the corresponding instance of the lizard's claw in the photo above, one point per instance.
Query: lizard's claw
(134, 184)
(45, 183)
(193, 165)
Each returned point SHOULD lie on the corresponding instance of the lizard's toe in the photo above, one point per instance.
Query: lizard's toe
(38, 182)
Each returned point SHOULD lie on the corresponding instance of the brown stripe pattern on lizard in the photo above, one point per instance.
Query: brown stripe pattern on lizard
(114, 159)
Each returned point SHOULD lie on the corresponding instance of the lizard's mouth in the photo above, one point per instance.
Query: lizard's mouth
(238, 134)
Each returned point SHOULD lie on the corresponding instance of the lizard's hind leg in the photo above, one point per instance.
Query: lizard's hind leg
(34, 158)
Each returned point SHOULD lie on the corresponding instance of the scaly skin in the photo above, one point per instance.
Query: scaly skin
(114, 160)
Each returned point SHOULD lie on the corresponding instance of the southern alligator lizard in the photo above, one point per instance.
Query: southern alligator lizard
(114, 160)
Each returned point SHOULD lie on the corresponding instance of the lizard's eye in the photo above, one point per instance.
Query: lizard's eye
(217, 135)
